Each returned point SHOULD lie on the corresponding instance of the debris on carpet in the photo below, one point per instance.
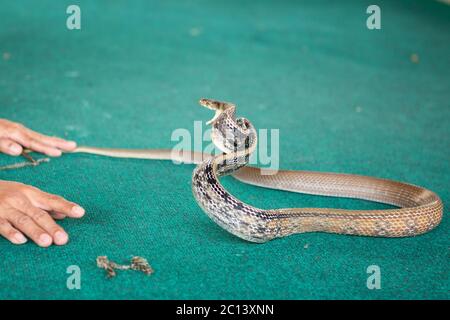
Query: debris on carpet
(137, 264)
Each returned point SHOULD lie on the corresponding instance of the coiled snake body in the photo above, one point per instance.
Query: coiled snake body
(420, 210)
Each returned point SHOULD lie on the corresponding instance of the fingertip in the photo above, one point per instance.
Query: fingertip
(15, 149)
(58, 216)
(54, 153)
(61, 238)
(18, 238)
(71, 145)
(78, 211)
(45, 240)
(67, 145)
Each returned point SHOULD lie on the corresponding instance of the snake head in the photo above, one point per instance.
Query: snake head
(217, 106)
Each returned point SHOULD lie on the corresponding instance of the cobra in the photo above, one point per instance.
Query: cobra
(419, 210)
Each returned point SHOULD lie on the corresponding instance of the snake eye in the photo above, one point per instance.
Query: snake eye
(205, 102)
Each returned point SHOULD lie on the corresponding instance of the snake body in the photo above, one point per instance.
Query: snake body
(419, 210)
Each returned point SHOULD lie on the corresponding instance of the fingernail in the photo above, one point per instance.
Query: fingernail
(71, 144)
(61, 237)
(19, 238)
(16, 149)
(56, 153)
(45, 239)
(78, 211)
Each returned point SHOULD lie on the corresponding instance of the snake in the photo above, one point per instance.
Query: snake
(417, 210)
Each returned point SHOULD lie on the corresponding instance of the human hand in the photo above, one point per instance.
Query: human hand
(25, 210)
(14, 137)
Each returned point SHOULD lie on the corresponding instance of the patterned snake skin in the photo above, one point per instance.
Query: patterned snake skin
(420, 210)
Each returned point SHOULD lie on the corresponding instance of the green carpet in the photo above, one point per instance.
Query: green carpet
(345, 99)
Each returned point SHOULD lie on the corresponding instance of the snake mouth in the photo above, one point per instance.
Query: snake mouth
(211, 105)
(216, 116)
(215, 105)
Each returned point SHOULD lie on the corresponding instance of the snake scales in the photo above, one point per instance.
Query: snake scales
(420, 210)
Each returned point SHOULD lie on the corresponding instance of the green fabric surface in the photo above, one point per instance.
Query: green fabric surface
(345, 99)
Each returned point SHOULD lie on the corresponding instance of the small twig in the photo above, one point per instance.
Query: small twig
(24, 164)
(31, 161)
(26, 155)
(137, 263)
